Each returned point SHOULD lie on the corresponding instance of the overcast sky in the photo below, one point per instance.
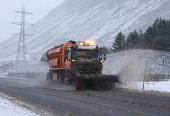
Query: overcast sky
(39, 8)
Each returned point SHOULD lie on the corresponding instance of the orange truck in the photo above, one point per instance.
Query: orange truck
(78, 63)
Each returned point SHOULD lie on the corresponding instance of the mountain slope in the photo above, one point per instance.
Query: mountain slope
(98, 20)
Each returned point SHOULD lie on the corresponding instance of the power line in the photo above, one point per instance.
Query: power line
(8, 20)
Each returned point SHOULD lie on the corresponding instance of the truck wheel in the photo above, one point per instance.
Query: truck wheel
(51, 81)
(60, 78)
(65, 76)
(48, 78)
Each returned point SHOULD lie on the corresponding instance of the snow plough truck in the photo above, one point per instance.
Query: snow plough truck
(78, 63)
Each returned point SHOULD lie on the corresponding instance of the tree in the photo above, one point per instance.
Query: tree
(119, 43)
(157, 35)
(133, 40)
(141, 42)
(149, 37)
(108, 50)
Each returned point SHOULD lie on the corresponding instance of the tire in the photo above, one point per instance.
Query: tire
(60, 78)
(51, 81)
(48, 79)
(65, 76)
(78, 88)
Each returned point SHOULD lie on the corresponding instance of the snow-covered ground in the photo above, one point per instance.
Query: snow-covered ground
(23, 67)
(9, 108)
(163, 86)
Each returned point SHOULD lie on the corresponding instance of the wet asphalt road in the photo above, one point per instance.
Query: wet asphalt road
(88, 102)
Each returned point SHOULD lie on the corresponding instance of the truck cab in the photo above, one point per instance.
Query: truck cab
(84, 57)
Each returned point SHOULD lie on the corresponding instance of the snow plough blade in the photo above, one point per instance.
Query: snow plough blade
(93, 81)
(100, 78)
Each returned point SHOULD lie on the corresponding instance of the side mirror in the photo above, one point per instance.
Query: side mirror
(104, 52)
(66, 57)
(104, 57)
(100, 51)
(66, 52)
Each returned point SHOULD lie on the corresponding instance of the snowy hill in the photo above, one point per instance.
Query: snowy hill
(98, 20)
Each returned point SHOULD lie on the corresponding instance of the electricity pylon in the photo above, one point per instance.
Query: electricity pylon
(21, 50)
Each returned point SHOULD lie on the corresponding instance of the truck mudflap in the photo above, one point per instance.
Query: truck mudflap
(99, 78)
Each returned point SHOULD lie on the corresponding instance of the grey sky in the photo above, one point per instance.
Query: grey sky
(7, 15)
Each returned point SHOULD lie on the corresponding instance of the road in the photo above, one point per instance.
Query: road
(87, 102)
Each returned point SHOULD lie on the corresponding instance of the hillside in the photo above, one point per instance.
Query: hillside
(99, 20)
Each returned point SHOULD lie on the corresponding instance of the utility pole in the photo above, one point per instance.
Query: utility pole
(21, 50)
(144, 77)
(145, 72)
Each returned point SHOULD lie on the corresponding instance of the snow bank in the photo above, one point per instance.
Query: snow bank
(7, 108)
(163, 86)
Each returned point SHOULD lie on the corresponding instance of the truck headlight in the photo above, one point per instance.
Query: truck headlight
(101, 61)
(81, 43)
(73, 60)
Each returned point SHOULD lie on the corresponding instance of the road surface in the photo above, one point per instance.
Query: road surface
(87, 102)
